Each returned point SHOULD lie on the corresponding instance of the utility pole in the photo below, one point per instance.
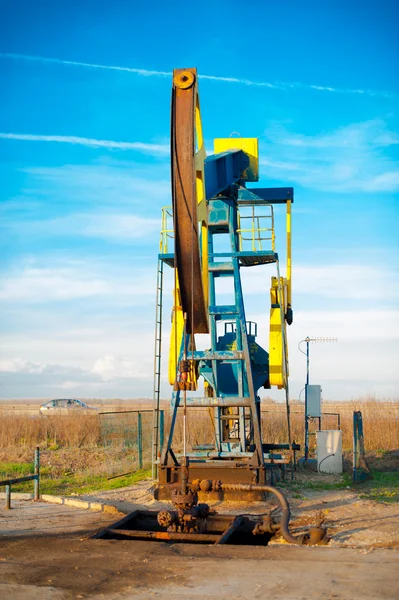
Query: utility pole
(307, 340)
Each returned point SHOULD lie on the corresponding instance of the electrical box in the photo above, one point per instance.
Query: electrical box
(313, 396)
(329, 451)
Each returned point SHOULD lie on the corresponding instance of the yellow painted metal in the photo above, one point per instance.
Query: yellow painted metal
(249, 146)
(288, 229)
(278, 350)
(202, 214)
(257, 229)
(176, 334)
(184, 79)
(176, 338)
(166, 229)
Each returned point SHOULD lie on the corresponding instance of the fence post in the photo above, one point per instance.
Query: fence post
(8, 497)
(140, 440)
(36, 482)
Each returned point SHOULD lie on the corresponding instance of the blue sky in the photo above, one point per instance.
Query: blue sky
(84, 166)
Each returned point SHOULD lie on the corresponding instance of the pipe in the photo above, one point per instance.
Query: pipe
(285, 518)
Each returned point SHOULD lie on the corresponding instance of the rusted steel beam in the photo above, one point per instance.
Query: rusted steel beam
(184, 198)
(230, 530)
(163, 535)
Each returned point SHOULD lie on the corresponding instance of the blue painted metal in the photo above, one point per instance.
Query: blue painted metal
(269, 195)
(268, 256)
(222, 170)
(213, 454)
(235, 367)
(361, 470)
(234, 381)
(36, 482)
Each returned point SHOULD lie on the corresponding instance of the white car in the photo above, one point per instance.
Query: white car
(64, 405)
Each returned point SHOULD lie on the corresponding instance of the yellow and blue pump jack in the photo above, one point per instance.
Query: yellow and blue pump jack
(211, 202)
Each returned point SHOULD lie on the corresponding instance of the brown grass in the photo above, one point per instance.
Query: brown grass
(380, 422)
(20, 434)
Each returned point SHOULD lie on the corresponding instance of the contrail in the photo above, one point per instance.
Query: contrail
(248, 82)
(160, 149)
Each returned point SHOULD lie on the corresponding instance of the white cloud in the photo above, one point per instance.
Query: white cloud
(113, 201)
(235, 80)
(111, 368)
(114, 226)
(90, 142)
(367, 325)
(346, 281)
(363, 360)
(34, 283)
(114, 186)
(349, 159)
(334, 281)
(19, 365)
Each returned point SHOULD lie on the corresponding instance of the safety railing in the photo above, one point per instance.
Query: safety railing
(260, 228)
(35, 478)
(167, 231)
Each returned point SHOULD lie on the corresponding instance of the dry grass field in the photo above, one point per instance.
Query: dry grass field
(22, 430)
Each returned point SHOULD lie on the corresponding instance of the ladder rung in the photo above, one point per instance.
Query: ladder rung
(217, 355)
(221, 267)
(215, 402)
(223, 310)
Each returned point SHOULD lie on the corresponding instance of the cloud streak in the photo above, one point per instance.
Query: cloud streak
(353, 158)
(36, 284)
(157, 149)
(281, 85)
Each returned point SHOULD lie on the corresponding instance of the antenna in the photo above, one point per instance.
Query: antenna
(308, 340)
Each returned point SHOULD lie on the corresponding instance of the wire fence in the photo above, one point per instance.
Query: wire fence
(129, 430)
(76, 446)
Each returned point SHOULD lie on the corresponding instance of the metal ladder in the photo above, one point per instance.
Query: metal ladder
(236, 315)
(157, 367)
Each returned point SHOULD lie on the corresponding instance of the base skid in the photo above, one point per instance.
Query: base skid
(219, 529)
(169, 478)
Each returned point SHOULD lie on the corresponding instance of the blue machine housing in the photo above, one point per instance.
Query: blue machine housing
(228, 372)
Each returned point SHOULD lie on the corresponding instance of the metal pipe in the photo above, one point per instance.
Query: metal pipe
(8, 497)
(36, 483)
(285, 517)
(140, 440)
(306, 403)
(185, 387)
(230, 530)
(205, 538)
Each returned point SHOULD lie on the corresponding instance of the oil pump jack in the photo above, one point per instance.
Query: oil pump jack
(211, 201)
(218, 227)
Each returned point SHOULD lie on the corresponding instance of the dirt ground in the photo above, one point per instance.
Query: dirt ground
(67, 568)
(46, 553)
(351, 521)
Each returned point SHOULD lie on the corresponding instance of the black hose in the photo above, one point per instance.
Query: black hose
(285, 517)
(328, 456)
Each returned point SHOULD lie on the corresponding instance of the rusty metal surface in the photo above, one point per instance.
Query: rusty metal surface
(190, 521)
(204, 538)
(216, 529)
(169, 480)
(187, 251)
